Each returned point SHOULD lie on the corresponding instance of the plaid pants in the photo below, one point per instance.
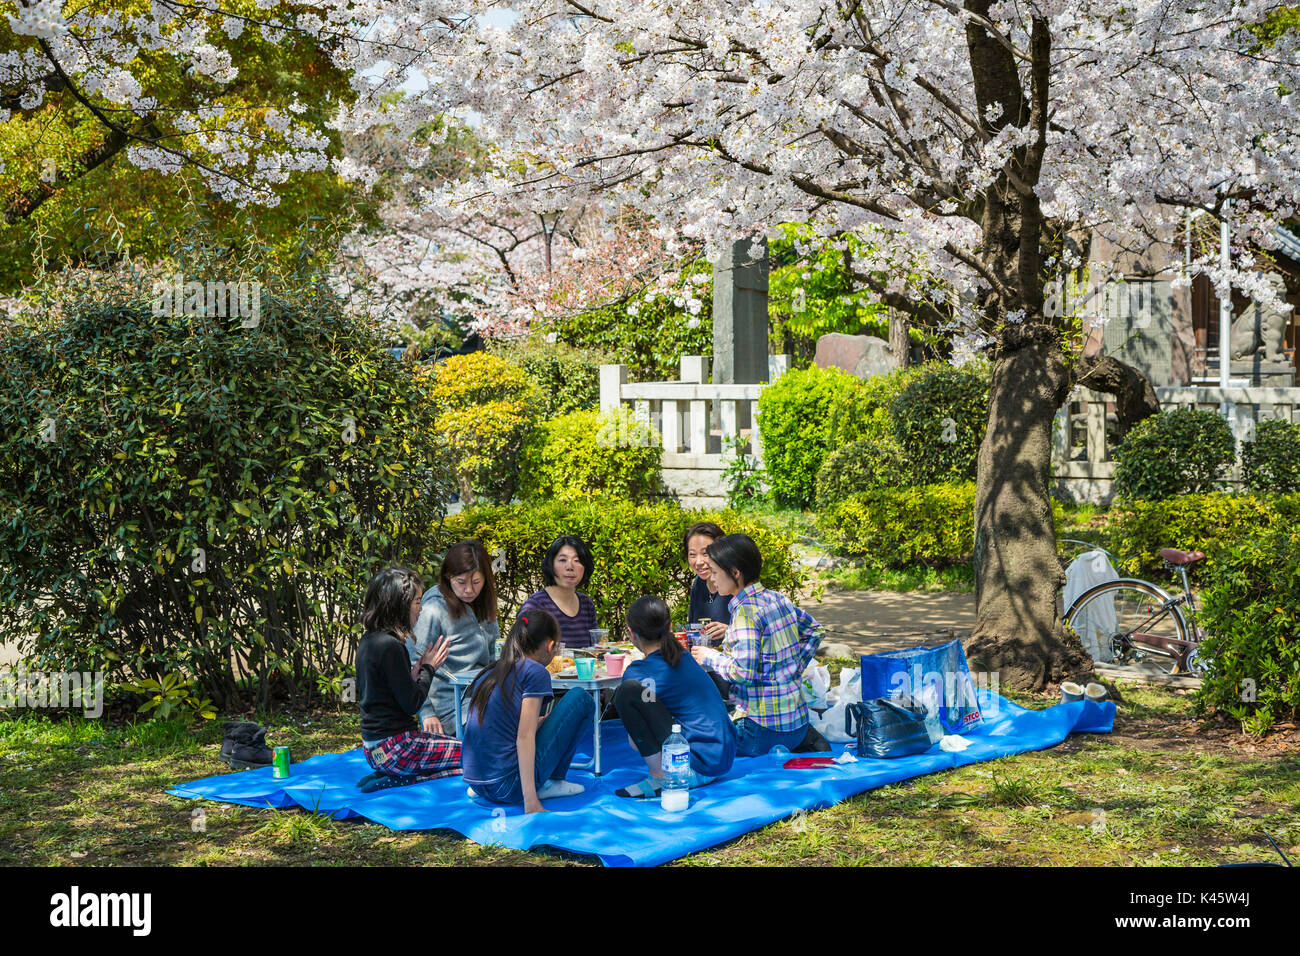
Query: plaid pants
(416, 752)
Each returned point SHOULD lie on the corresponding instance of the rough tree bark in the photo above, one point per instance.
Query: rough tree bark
(1135, 399)
(1018, 632)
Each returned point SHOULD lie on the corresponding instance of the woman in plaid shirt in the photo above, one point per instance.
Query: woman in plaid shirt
(769, 642)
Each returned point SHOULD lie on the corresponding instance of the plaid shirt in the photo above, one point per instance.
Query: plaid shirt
(768, 644)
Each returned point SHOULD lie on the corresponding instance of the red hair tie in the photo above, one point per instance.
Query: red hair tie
(525, 620)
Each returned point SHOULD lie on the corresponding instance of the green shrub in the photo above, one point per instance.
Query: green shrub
(637, 549)
(932, 525)
(863, 410)
(1183, 451)
(938, 419)
(485, 408)
(794, 420)
(857, 467)
(588, 453)
(188, 499)
(567, 379)
(1271, 463)
(1251, 611)
(1211, 523)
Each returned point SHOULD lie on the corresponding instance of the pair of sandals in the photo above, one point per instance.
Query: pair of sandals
(652, 786)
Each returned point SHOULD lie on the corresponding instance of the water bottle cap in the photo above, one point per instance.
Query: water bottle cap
(677, 728)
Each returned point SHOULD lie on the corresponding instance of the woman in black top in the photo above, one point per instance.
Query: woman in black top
(706, 602)
(390, 691)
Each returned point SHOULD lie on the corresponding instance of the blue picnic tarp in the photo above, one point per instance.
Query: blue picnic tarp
(625, 832)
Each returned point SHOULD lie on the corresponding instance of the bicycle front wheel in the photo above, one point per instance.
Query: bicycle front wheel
(1129, 621)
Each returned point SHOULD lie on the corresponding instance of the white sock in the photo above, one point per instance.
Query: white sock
(469, 792)
(559, 788)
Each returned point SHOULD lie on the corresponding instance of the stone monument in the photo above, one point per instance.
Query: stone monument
(740, 315)
(860, 355)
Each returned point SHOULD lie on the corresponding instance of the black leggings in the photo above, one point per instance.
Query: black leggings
(646, 721)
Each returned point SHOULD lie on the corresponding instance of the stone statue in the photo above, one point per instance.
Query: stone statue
(1257, 329)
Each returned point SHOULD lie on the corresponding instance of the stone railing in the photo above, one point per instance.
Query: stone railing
(1083, 439)
(697, 421)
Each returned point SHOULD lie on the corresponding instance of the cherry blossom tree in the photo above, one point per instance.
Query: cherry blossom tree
(986, 139)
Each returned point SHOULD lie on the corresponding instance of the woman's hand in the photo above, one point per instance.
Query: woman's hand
(698, 652)
(433, 725)
(715, 630)
(436, 654)
(534, 806)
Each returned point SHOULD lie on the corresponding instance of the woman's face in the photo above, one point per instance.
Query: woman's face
(568, 569)
(416, 604)
(467, 586)
(722, 582)
(695, 556)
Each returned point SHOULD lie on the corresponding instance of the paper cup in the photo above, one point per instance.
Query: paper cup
(614, 664)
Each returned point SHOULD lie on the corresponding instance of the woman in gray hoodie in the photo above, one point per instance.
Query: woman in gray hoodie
(462, 606)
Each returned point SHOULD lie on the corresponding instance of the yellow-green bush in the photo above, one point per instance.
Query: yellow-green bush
(588, 453)
(485, 409)
(1211, 523)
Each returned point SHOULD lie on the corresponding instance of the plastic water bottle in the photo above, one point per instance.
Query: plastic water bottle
(675, 758)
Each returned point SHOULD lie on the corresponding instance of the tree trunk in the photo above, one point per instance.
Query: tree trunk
(1135, 399)
(899, 343)
(1018, 632)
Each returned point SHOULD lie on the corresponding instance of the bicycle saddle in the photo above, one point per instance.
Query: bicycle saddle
(1181, 559)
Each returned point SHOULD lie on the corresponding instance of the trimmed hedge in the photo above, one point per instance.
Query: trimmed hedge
(1271, 463)
(857, 467)
(1183, 451)
(795, 423)
(898, 527)
(1251, 611)
(637, 550)
(939, 418)
(1211, 523)
(581, 454)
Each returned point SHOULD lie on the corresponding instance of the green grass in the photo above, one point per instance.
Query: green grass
(79, 792)
(918, 579)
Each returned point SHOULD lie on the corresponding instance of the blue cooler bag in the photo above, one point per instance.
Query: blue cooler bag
(888, 727)
(933, 676)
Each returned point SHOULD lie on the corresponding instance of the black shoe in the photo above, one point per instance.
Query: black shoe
(245, 746)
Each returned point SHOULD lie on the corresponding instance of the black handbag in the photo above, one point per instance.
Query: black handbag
(888, 727)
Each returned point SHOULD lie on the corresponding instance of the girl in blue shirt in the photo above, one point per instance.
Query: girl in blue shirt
(512, 754)
(668, 687)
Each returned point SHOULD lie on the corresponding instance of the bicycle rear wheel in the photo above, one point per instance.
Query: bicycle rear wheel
(1129, 621)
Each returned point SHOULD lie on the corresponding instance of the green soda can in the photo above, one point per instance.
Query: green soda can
(281, 762)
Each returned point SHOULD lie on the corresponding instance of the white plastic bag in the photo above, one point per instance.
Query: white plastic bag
(831, 723)
(816, 682)
(1095, 625)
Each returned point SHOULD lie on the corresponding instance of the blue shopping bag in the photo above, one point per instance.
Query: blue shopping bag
(936, 676)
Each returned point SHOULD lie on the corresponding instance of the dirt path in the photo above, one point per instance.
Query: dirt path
(873, 621)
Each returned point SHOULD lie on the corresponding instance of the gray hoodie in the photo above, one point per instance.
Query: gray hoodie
(472, 648)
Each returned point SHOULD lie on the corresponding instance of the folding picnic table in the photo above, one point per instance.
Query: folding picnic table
(592, 687)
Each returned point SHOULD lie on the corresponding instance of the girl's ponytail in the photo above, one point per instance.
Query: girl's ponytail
(528, 633)
(650, 620)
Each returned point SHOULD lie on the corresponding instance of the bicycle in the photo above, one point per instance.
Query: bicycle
(1140, 620)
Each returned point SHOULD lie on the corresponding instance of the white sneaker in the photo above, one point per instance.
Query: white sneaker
(559, 788)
